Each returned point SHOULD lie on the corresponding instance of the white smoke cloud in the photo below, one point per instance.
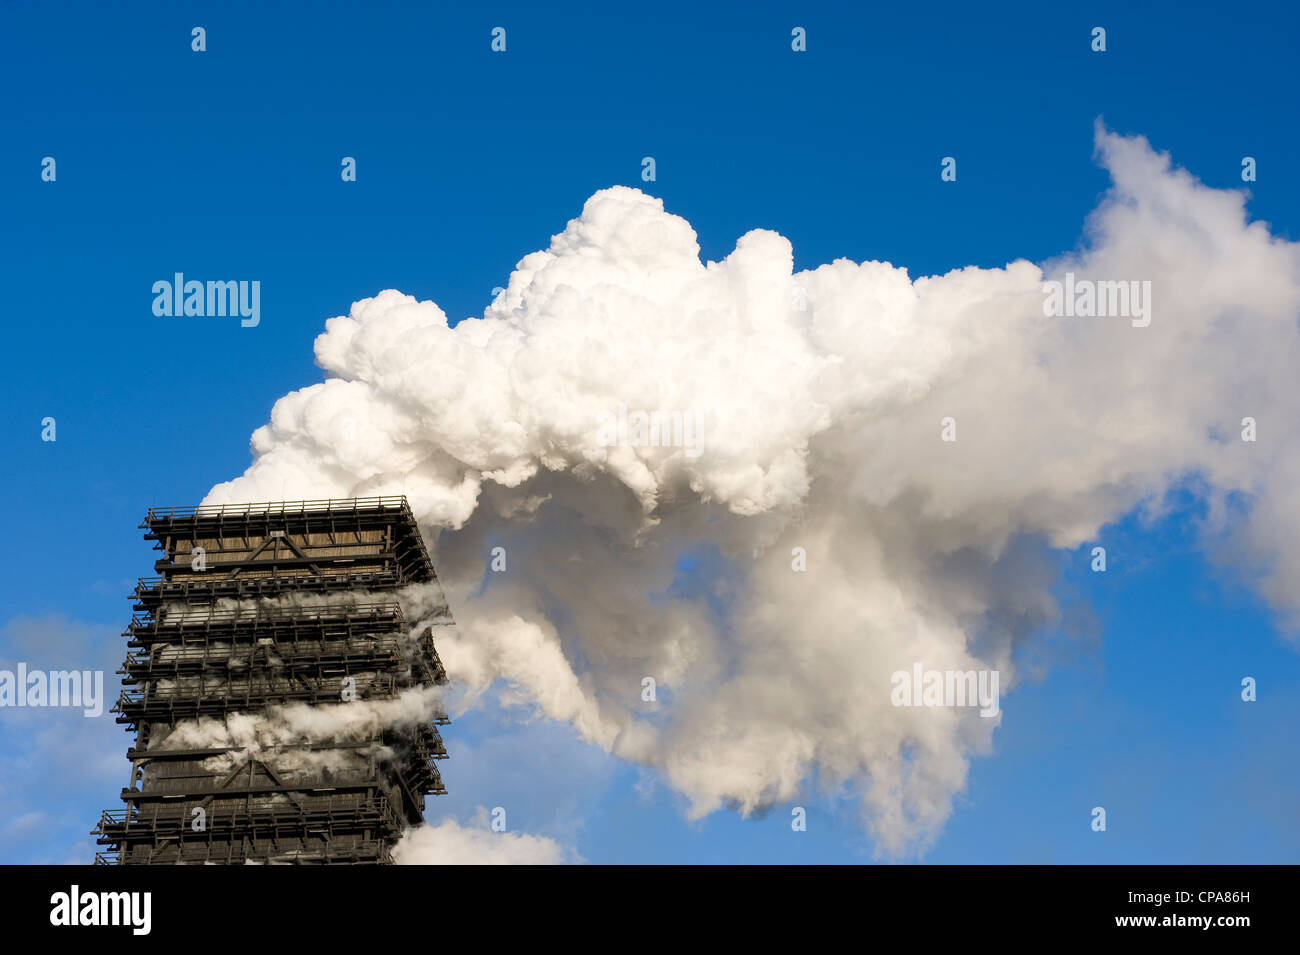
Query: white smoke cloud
(450, 843)
(818, 398)
(301, 723)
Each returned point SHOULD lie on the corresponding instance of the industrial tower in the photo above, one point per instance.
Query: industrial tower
(282, 707)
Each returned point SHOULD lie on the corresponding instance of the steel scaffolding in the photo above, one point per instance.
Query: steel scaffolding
(258, 607)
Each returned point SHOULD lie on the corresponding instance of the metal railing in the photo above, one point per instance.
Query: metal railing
(361, 613)
(161, 588)
(362, 812)
(342, 505)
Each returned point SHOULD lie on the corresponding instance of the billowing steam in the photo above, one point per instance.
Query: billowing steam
(299, 739)
(658, 443)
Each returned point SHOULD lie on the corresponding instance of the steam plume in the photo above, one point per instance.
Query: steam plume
(816, 402)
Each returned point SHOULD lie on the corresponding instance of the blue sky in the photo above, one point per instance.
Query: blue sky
(226, 163)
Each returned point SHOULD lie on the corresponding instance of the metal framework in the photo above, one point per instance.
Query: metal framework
(257, 607)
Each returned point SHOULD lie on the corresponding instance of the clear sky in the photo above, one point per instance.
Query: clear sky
(227, 163)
